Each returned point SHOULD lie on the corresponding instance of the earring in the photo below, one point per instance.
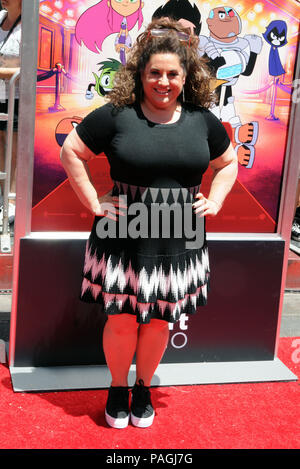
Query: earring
(183, 96)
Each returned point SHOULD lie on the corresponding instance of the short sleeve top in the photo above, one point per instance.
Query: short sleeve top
(149, 154)
(9, 54)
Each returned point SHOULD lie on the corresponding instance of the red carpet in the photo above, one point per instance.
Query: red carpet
(230, 416)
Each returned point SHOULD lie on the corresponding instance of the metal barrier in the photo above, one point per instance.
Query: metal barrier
(5, 241)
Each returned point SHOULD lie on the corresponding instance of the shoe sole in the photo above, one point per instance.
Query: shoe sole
(116, 423)
(141, 422)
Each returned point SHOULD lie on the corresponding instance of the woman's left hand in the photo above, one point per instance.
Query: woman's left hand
(205, 207)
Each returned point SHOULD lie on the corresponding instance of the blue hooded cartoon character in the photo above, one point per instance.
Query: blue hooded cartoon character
(276, 36)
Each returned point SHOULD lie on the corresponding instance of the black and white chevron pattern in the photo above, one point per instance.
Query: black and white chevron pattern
(170, 290)
(156, 195)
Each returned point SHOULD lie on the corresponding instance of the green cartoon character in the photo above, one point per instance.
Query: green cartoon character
(103, 83)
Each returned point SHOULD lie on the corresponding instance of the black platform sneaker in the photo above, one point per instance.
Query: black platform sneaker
(117, 407)
(295, 234)
(142, 413)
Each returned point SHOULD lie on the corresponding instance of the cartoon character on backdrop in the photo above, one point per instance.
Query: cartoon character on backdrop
(182, 11)
(108, 17)
(229, 57)
(103, 83)
(64, 127)
(276, 36)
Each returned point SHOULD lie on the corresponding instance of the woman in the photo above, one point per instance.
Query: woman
(10, 43)
(159, 138)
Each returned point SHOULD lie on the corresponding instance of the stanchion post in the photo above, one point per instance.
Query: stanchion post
(57, 106)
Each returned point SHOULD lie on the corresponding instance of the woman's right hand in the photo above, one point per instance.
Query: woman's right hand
(109, 206)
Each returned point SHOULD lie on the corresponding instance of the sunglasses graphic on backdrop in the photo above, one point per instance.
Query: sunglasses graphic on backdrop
(163, 32)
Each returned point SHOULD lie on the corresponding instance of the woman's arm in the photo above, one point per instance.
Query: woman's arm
(225, 170)
(74, 157)
(7, 73)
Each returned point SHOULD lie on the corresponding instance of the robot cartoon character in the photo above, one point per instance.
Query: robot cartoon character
(229, 57)
(105, 81)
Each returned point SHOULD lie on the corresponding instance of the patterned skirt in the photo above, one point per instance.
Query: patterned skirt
(160, 272)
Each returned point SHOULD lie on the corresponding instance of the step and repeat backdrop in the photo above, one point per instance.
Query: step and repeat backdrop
(82, 43)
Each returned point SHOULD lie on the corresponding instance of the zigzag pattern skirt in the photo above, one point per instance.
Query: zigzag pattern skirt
(156, 276)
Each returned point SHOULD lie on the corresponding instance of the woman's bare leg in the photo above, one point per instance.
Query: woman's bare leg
(12, 187)
(119, 344)
(14, 164)
(151, 345)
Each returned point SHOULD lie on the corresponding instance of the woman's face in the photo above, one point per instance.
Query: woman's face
(125, 7)
(162, 80)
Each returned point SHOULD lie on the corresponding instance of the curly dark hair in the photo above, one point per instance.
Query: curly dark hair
(128, 87)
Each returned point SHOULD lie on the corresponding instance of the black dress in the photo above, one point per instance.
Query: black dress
(153, 261)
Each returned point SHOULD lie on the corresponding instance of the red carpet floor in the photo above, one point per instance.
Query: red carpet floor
(230, 416)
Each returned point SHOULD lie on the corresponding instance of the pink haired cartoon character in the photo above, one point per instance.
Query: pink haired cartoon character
(108, 17)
